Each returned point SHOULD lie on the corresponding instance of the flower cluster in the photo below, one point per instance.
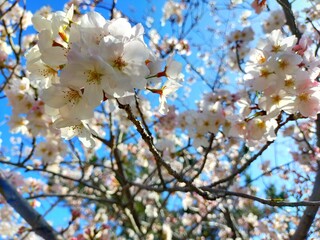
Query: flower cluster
(285, 74)
(239, 45)
(276, 20)
(78, 65)
(14, 14)
(313, 12)
(173, 11)
(167, 45)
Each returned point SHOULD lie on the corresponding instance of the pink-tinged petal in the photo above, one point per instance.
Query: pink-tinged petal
(69, 13)
(138, 30)
(75, 55)
(163, 108)
(310, 107)
(33, 55)
(51, 111)
(86, 138)
(87, 141)
(170, 86)
(111, 48)
(74, 127)
(136, 69)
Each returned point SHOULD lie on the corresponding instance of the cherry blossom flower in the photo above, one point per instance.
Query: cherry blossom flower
(71, 102)
(308, 101)
(172, 10)
(128, 63)
(276, 103)
(275, 21)
(74, 127)
(5, 50)
(92, 29)
(89, 73)
(42, 75)
(168, 88)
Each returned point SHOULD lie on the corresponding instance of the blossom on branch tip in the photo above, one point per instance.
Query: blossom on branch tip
(78, 64)
(168, 88)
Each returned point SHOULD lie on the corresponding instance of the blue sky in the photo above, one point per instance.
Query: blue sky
(137, 9)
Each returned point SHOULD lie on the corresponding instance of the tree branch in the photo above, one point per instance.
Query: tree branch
(31, 216)
(311, 211)
(291, 21)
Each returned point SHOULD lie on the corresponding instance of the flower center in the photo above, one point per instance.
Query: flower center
(264, 73)
(283, 64)
(119, 63)
(276, 48)
(93, 77)
(276, 99)
(289, 83)
(304, 97)
(72, 96)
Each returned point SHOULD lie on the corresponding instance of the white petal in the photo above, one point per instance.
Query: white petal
(87, 141)
(79, 111)
(136, 51)
(94, 94)
(40, 23)
(174, 69)
(92, 20)
(54, 97)
(65, 122)
(54, 56)
(120, 27)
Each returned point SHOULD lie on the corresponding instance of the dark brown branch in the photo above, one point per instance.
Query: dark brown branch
(74, 195)
(253, 158)
(238, 58)
(149, 141)
(30, 215)
(311, 211)
(231, 225)
(146, 127)
(222, 193)
(291, 21)
(243, 167)
(205, 157)
(113, 7)
(120, 175)
(63, 176)
(8, 9)
(27, 158)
